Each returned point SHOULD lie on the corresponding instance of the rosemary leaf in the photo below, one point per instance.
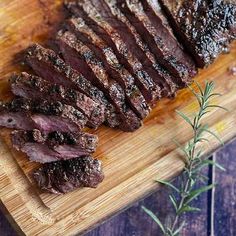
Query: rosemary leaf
(213, 134)
(194, 194)
(215, 94)
(200, 88)
(213, 163)
(177, 231)
(173, 201)
(217, 106)
(185, 117)
(188, 209)
(155, 218)
(168, 184)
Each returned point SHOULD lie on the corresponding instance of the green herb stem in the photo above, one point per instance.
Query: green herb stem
(194, 162)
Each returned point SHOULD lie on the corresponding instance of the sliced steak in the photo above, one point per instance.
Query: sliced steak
(65, 176)
(81, 58)
(204, 27)
(15, 120)
(30, 86)
(165, 52)
(137, 45)
(47, 64)
(160, 23)
(47, 116)
(53, 146)
(109, 34)
(111, 64)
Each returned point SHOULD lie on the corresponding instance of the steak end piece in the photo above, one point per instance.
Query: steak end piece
(65, 176)
(205, 27)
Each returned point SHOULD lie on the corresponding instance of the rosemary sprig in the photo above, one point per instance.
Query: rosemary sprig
(182, 196)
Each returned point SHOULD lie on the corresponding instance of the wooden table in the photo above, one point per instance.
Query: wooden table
(218, 215)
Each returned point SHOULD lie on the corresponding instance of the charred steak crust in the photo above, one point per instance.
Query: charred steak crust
(111, 64)
(81, 57)
(30, 86)
(38, 108)
(47, 64)
(205, 27)
(85, 10)
(65, 176)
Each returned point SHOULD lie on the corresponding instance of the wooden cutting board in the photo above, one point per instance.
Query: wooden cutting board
(132, 161)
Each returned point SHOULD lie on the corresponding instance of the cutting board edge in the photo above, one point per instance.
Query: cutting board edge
(13, 218)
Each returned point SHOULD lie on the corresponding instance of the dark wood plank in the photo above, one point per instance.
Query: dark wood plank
(135, 222)
(225, 193)
(6, 228)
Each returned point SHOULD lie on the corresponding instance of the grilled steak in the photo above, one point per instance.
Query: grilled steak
(15, 120)
(137, 46)
(47, 116)
(30, 86)
(65, 176)
(47, 64)
(154, 21)
(152, 36)
(53, 146)
(204, 27)
(111, 64)
(110, 11)
(80, 57)
(109, 34)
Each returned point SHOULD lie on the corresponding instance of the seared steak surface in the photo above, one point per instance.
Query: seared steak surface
(65, 176)
(112, 37)
(82, 58)
(47, 64)
(30, 86)
(204, 27)
(112, 65)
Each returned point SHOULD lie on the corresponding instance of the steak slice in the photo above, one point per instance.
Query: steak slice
(30, 86)
(137, 45)
(163, 46)
(21, 113)
(204, 27)
(111, 64)
(160, 23)
(80, 57)
(85, 10)
(65, 176)
(53, 146)
(15, 120)
(47, 64)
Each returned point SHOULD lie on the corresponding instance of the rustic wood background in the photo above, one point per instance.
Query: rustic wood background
(217, 218)
(123, 185)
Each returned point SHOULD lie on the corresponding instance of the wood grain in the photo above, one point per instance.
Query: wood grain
(131, 161)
